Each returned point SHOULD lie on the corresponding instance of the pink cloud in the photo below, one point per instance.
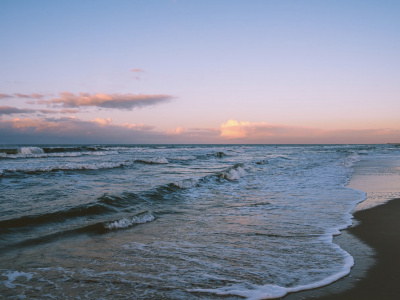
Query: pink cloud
(274, 133)
(5, 96)
(20, 95)
(117, 101)
(140, 126)
(176, 131)
(137, 70)
(29, 96)
(102, 122)
(74, 130)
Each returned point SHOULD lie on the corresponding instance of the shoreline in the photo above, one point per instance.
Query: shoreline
(373, 240)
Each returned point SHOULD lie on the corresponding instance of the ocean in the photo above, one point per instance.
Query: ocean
(175, 221)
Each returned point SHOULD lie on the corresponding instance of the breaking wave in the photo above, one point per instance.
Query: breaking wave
(234, 173)
(186, 183)
(36, 152)
(140, 218)
(70, 167)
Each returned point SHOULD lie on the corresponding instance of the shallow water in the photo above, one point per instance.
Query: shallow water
(175, 222)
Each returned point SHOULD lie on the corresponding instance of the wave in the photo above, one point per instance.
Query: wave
(186, 183)
(155, 160)
(140, 218)
(110, 203)
(57, 149)
(69, 167)
(31, 150)
(94, 217)
(37, 152)
(183, 158)
(58, 216)
(270, 291)
(106, 204)
(233, 173)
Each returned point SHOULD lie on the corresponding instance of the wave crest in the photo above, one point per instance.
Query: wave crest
(141, 218)
(234, 173)
(31, 150)
(154, 160)
(186, 183)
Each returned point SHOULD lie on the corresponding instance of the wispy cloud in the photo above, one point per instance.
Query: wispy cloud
(137, 70)
(5, 96)
(33, 96)
(29, 96)
(137, 73)
(116, 101)
(140, 126)
(8, 110)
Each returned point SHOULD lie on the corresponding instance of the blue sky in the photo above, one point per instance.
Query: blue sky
(200, 71)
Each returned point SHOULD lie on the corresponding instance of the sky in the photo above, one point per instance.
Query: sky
(226, 72)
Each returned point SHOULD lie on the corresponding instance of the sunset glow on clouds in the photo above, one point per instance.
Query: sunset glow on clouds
(118, 101)
(284, 72)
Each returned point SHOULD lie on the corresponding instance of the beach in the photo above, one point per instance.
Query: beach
(373, 239)
(379, 277)
(379, 228)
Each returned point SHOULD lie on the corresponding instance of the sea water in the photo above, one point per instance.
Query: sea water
(175, 221)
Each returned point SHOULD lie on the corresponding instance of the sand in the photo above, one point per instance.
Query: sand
(374, 242)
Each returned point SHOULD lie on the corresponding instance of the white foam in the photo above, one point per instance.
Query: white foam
(128, 222)
(270, 291)
(234, 173)
(31, 150)
(351, 160)
(183, 158)
(34, 152)
(72, 166)
(13, 275)
(186, 183)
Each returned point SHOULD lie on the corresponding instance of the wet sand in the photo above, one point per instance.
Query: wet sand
(376, 274)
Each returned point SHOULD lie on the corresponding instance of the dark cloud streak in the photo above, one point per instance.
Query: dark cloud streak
(8, 110)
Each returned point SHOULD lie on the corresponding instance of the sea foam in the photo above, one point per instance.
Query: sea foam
(186, 183)
(128, 222)
(13, 275)
(234, 173)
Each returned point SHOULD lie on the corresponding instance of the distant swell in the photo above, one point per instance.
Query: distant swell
(72, 166)
(155, 160)
(37, 152)
(218, 154)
